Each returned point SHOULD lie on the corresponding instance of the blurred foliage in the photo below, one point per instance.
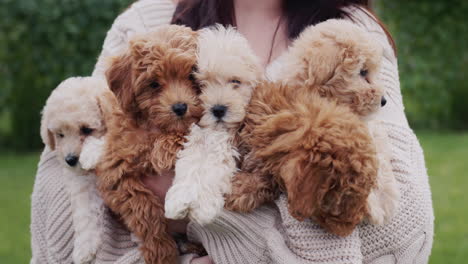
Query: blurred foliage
(43, 42)
(432, 41)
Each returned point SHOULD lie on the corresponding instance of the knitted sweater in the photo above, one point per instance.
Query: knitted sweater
(269, 234)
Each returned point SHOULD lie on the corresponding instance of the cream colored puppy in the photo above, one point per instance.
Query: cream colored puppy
(228, 71)
(73, 127)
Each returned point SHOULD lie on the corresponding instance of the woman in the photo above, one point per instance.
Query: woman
(268, 235)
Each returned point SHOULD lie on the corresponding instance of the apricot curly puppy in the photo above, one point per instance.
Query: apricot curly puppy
(158, 102)
(308, 136)
(228, 70)
(360, 54)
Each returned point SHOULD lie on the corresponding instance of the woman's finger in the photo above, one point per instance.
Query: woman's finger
(202, 260)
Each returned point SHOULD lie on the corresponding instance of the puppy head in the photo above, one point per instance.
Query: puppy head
(153, 79)
(72, 114)
(338, 60)
(228, 70)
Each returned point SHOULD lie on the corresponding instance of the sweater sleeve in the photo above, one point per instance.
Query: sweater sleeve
(116, 41)
(141, 17)
(269, 235)
(51, 222)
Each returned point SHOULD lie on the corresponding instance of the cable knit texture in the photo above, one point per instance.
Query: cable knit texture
(270, 234)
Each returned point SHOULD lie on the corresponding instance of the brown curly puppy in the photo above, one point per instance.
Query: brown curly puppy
(157, 103)
(307, 136)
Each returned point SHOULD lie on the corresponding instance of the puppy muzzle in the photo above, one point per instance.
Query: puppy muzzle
(71, 160)
(179, 109)
(383, 101)
(219, 111)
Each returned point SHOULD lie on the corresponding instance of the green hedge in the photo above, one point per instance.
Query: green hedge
(432, 40)
(43, 42)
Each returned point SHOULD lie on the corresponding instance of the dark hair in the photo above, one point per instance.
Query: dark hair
(300, 13)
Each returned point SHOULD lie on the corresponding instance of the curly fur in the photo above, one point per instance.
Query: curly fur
(73, 105)
(145, 132)
(227, 72)
(309, 135)
(384, 197)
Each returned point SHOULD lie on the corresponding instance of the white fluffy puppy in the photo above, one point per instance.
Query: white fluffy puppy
(228, 71)
(72, 125)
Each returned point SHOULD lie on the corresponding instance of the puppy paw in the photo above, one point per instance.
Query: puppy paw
(243, 203)
(177, 203)
(383, 205)
(84, 254)
(207, 209)
(91, 152)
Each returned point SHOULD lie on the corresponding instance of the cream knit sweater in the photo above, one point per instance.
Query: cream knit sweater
(268, 235)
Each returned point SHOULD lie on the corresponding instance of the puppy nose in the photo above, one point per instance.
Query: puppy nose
(179, 109)
(219, 111)
(71, 160)
(383, 101)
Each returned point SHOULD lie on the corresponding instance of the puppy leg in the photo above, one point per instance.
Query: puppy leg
(87, 213)
(384, 197)
(143, 213)
(187, 181)
(250, 191)
(215, 176)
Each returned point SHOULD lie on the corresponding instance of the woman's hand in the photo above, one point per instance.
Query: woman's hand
(159, 184)
(202, 260)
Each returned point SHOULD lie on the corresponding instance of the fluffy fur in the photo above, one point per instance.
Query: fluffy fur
(308, 137)
(385, 196)
(73, 126)
(157, 104)
(358, 52)
(227, 72)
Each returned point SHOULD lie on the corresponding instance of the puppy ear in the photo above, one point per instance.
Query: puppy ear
(102, 112)
(46, 135)
(108, 106)
(49, 139)
(119, 79)
(316, 194)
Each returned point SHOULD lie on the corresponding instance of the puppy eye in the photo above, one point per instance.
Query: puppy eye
(60, 135)
(197, 88)
(235, 81)
(363, 73)
(191, 77)
(192, 74)
(86, 131)
(155, 85)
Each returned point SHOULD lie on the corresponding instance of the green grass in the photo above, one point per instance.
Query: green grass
(446, 158)
(16, 182)
(447, 161)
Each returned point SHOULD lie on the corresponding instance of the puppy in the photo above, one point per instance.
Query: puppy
(364, 95)
(228, 71)
(73, 125)
(308, 135)
(157, 102)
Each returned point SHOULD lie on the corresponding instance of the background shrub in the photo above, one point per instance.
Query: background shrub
(43, 42)
(432, 40)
